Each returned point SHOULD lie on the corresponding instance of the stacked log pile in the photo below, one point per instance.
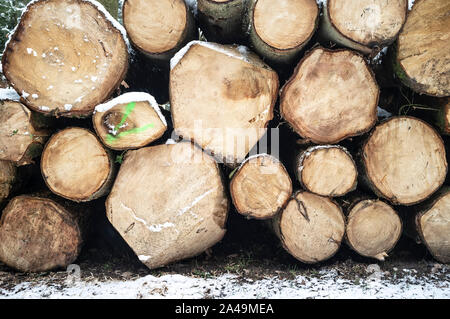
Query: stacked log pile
(344, 175)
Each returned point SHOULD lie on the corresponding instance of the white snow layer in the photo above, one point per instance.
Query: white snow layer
(192, 4)
(9, 94)
(129, 98)
(327, 286)
(242, 55)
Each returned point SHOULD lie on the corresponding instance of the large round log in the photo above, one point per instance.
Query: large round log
(327, 170)
(422, 54)
(37, 234)
(22, 133)
(158, 28)
(65, 56)
(131, 120)
(363, 25)
(168, 203)
(332, 95)
(373, 228)
(311, 227)
(75, 165)
(261, 187)
(222, 98)
(278, 30)
(221, 20)
(404, 160)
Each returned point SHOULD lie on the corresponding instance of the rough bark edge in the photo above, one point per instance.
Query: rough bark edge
(107, 184)
(282, 56)
(15, 37)
(303, 155)
(187, 35)
(249, 215)
(276, 226)
(294, 74)
(364, 177)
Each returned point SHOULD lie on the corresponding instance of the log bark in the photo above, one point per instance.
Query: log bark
(158, 28)
(279, 30)
(8, 175)
(75, 165)
(222, 98)
(421, 54)
(261, 187)
(316, 101)
(363, 25)
(39, 234)
(168, 203)
(373, 227)
(403, 160)
(327, 170)
(442, 118)
(431, 222)
(78, 57)
(222, 20)
(311, 227)
(22, 133)
(132, 120)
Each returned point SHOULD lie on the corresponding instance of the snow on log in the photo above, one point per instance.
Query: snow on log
(278, 30)
(311, 227)
(75, 165)
(222, 98)
(404, 160)
(132, 120)
(66, 56)
(168, 203)
(422, 50)
(261, 187)
(332, 95)
(363, 25)
(158, 28)
(327, 170)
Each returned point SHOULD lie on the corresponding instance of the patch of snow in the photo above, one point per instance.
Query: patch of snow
(410, 4)
(144, 257)
(44, 108)
(194, 202)
(9, 94)
(192, 4)
(170, 141)
(67, 107)
(31, 51)
(25, 94)
(154, 227)
(381, 113)
(129, 98)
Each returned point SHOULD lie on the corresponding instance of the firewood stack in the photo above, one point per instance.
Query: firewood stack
(240, 73)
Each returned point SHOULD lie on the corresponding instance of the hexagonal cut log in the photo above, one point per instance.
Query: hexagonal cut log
(311, 227)
(332, 95)
(158, 28)
(75, 165)
(404, 160)
(8, 174)
(222, 98)
(278, 30)
(373, 228)
(22, 133)
(432, 222)
(327, 170)
(37, 234)
(363, 25)
(168, 203)
(66, 56)
(129, 121)
(261, 187)
(421, 60)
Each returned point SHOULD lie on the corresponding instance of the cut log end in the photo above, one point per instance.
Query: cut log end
(37, 234)
(220, 95)
(404, 160)
(261, 187)
(422, 49)
(311, 227)
(78, 57)
(373, 228)
(327, 171)
(173, 209)
(76, 166)
(316, 102)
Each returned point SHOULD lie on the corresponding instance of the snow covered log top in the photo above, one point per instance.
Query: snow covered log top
(131, 120)
(158, 28)
(168, 203)
(66, 56)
